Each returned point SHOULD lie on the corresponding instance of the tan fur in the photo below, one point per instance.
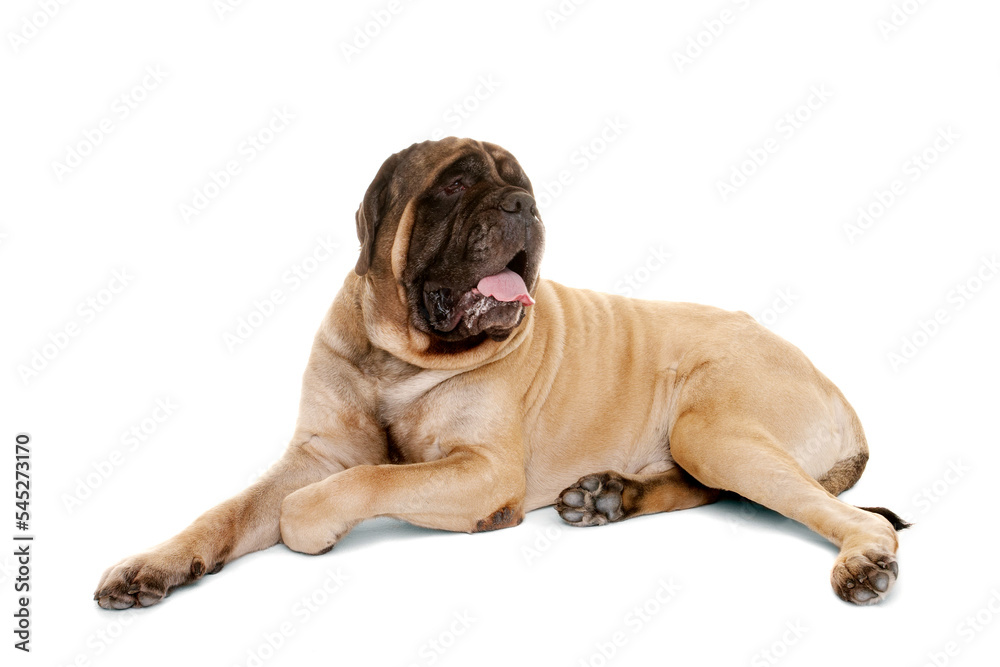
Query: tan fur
(679, 400)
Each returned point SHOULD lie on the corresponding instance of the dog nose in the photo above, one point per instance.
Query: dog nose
(516, 202)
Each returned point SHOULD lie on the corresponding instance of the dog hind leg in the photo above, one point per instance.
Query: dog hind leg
(750, 461)
(610, 496)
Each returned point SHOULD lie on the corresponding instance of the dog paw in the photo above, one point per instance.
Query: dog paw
(306, 523)
(593, 501)
(864, 578)
(145, 579)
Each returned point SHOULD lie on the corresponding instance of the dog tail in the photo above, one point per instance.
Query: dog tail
(892, 517)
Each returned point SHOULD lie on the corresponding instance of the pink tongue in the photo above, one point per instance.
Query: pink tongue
(506, 286)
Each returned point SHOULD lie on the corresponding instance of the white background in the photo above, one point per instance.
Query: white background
(542, 593)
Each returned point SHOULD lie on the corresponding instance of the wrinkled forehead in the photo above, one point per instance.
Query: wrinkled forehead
(433, 162)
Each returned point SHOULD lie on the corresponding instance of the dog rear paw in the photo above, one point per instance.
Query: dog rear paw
(864, 578)
(593, 501)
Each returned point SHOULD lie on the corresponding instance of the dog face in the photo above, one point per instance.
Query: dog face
(461, 216)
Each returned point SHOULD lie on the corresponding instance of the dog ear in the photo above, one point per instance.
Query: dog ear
(371, 212)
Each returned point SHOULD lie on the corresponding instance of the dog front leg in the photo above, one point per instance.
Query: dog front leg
(245, 523)
(469, 490)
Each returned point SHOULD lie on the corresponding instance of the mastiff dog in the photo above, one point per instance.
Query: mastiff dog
(452, 387)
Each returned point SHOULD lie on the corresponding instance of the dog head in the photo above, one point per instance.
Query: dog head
(453, 224)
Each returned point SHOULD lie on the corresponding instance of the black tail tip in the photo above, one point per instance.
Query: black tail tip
(891, 516)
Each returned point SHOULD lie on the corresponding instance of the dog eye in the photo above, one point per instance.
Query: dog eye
(457, 186)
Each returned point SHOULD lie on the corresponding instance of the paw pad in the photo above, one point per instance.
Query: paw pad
(593, 501)
(866, 578)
